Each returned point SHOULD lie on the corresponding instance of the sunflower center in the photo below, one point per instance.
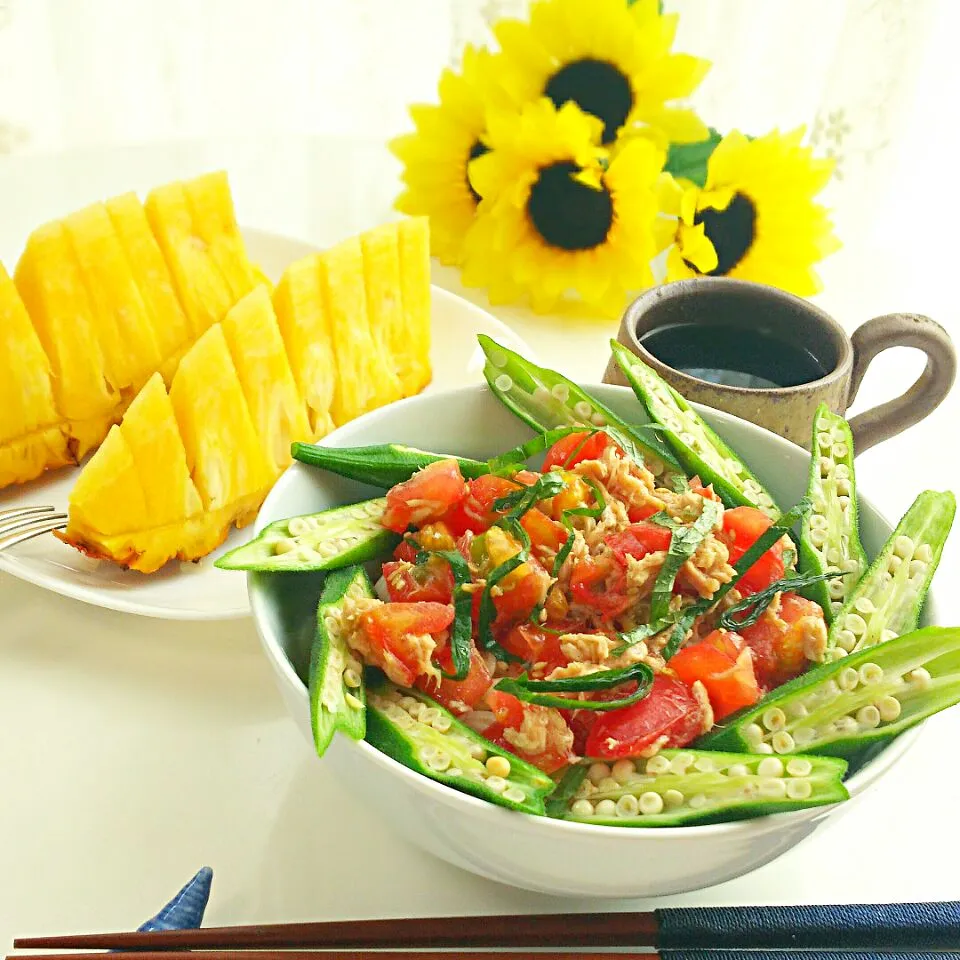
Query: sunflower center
(597, 87)
(731, 231)
(477, 150)
(569, 214)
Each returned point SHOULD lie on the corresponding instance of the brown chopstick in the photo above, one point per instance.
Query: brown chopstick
(593, 931)
(331, 955)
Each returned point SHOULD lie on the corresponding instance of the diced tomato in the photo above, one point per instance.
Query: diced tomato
(581, 721)
(600, 583)
(522, 590)
(406, 550)
(708, 493)
(475, 511)
(742, 526)
(546, 535)
(511, 712)
(390, 629)
(527, 477)
(724, 666)
(564, 452)
(669, 710)
(576, 493)
(458, 696)
(464, 544)
(431, 581)
(638, 540)
(644, 512)
(427, 495)
(534, 645)
(778, 641)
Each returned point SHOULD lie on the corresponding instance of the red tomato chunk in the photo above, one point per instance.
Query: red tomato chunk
(426, 496)
(724, 665)
(742, 527)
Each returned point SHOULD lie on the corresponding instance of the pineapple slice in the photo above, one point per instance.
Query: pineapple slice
(32, 438)
(414, 356)
(275, 404)
(150, 428)
(126, 333)
(381, 271)
(224, 455)
(108, 498)
(202, 289)
(365, 375)
(215, 220)
(305, 328)
(170, 325)
(51, 287)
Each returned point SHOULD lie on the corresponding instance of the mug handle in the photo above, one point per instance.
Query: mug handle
(926, 394)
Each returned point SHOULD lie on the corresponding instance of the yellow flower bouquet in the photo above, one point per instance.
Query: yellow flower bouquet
(562, 164)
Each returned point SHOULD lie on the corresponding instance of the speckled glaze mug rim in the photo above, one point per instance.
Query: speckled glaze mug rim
(706, 285)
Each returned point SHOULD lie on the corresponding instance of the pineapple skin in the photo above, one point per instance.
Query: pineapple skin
(32, 435)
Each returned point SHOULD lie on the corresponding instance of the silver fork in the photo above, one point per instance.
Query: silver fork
(25, 523)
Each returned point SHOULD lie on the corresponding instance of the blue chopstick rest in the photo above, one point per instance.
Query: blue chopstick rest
(185, 911)
(893, 926)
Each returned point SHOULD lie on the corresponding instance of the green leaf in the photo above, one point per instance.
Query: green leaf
(545, 693)
(689, 160)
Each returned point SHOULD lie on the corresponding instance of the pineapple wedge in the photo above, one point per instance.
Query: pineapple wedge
(278, 411)
(381, 272)
(305, 328)
(170, 325)
(50, 284)
(150, 428)
(226, 461)
(126, 333)
(215, 220)
(32, 437)
(365, 374)
(413, 349)
(204, 293)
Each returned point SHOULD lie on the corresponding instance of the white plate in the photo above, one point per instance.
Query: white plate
(200, 591)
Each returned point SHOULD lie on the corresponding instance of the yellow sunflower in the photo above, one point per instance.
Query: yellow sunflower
(755, 218)
(557, 215)
(609, 57)
(435, 156)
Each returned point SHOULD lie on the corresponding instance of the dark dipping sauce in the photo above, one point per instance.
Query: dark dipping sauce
(733, 356)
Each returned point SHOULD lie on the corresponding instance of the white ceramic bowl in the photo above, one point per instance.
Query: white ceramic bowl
(526, 851)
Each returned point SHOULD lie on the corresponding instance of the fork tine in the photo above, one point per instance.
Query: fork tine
(13, 524)
(13, 513)
(27, 530)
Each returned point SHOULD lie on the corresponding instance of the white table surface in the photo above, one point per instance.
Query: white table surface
(133, 751)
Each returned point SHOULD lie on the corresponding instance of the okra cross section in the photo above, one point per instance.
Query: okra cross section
(318, 541)
(337, 694)
(843, 707)
(678, 788)
(829, 535)
(416, 731)
(697, 446)
(888, 599)
(547, 400)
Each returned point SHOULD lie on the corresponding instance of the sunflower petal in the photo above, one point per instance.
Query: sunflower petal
(696, 248)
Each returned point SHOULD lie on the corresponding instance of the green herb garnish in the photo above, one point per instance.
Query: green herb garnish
(755, 605)
(542, 692)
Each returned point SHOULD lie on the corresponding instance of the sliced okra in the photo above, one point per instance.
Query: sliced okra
(318, 541)
(337, 692)
(829, 536)
(380, 465)
(697, 446)
(843, 707)
(887, 600)
(547, 400)
(417, 732)
(678, 788)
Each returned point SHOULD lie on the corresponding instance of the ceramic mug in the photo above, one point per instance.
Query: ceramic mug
(789, 410)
